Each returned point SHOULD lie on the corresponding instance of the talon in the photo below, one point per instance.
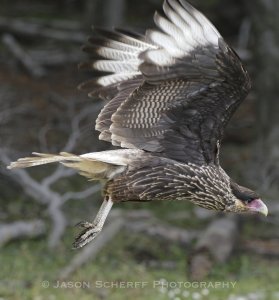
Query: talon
(84, 224)
(86, 236)
(91, 230)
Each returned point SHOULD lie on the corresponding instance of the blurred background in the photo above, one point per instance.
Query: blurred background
(146, 251)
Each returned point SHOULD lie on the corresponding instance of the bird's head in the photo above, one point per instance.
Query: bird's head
(246, 201)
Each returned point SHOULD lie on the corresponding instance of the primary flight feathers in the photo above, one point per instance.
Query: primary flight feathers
(172, 91)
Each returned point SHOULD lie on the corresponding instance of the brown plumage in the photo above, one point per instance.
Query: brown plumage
(170, 95)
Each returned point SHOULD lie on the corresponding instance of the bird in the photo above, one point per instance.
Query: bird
(169, 95)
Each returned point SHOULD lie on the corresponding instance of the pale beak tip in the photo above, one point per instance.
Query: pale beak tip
(258, 206)
(264, 211)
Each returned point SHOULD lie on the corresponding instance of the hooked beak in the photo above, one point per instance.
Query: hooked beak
(258, 206)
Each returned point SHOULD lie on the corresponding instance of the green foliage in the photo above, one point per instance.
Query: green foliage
(28, 266)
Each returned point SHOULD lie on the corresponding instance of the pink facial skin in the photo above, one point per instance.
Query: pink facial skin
(257, 206)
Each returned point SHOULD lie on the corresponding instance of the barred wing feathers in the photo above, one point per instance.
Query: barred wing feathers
(183, 84)
(115, 52)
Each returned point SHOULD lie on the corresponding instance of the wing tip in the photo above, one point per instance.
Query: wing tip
(89, 84)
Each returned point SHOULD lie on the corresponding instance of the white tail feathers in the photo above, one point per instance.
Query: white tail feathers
(94, 169)
(41, 159)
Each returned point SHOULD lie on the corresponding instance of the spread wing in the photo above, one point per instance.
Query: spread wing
(173, 91)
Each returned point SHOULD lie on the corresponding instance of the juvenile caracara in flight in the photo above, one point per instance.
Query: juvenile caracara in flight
(170, 96)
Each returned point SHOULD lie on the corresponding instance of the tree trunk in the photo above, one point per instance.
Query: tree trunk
(265, 20)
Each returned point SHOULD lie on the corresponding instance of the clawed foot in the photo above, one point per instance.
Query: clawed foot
(91, 230)
(89, 233)
(84, 224)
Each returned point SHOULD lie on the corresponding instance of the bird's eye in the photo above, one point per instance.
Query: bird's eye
(249, 200)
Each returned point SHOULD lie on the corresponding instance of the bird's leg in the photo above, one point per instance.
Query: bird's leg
(91, 230)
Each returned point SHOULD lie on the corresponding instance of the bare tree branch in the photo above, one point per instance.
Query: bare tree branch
(28, 29)
(56, 24)
(43, 194)
(6, 113)
(60, 172)
(54, 58)
(21, 229)
(23, 57)
(75, 124)
(42, 136)
(81, 195)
